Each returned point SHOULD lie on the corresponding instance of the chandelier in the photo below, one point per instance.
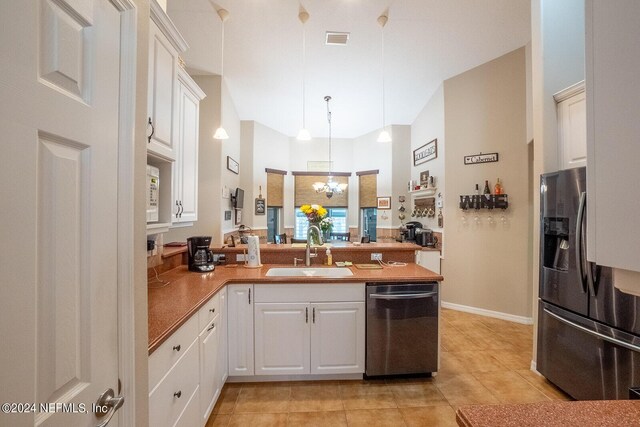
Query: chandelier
(330, 187)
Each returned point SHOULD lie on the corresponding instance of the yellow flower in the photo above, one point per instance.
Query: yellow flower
(322, 212)
(305, 209)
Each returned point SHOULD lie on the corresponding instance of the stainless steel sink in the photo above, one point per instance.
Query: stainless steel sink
(332, 272)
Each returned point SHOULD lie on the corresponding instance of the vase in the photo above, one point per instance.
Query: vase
(314, 236)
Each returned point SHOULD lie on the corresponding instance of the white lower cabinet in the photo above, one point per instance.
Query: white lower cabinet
(309, 329)
(169, 398)
(240, 329)
(282, 339)
(208, 364)
(429, 260)
(187, 372)
(337, 337)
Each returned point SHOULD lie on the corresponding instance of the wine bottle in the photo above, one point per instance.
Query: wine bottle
(486, 188)
(497, 190)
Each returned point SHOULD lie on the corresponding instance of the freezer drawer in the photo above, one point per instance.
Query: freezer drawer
(402, 329)
(586, 359)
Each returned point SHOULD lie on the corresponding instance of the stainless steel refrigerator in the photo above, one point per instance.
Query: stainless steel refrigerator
(588, 331)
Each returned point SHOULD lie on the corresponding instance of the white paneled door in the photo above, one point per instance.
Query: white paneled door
(59, 115)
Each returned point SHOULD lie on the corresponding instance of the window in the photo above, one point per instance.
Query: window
(339, 216)
(369, 222)
(273, 221)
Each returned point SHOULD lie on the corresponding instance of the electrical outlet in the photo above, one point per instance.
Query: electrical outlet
(439, 204)
(376, 257)
(240, 257)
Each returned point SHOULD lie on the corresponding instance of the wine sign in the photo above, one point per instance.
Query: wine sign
(475, 159)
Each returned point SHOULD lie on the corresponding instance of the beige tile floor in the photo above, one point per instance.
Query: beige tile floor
(483, 360)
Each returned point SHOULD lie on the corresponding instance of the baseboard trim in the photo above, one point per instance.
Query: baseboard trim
(304, 377)
(488, 313)
(534, 366)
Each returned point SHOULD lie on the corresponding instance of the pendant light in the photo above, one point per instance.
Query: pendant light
(220, 132)
(303, 135)
(384, 135)
(330, 187)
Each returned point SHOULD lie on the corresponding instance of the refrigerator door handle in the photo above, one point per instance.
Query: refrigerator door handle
(597, 334)
(579, 227)
(591, 280)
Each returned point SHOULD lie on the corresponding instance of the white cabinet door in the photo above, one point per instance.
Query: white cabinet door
(185, 168)
(223, 367)
(572, 127)
(337, 337)
(208, 340)
(281, 338)
(240, 329)
(163, 60)
(613, 126)
(429, 260)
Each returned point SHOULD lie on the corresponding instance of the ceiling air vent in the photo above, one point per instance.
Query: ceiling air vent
(336, 38)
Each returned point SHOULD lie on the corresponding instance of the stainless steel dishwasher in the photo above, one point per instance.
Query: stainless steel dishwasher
(402, 328)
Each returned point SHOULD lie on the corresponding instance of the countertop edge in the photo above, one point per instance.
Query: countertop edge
(162, 337)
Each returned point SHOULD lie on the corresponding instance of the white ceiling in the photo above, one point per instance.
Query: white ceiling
(426, 42)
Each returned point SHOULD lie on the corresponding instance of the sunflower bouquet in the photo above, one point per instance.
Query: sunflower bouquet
(314, 213)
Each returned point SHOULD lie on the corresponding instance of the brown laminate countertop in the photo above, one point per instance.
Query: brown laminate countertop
(171, 305)
(335, 245)
(603, 413)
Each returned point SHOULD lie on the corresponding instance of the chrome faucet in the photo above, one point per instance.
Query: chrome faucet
(308, 255)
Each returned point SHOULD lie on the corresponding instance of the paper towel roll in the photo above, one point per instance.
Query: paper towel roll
(253, 249)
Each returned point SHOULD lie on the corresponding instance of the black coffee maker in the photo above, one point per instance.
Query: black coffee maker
(200, 256)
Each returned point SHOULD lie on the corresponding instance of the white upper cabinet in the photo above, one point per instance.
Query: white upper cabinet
(572, 126)
(163, 63)
(613, 133)
(185, 168)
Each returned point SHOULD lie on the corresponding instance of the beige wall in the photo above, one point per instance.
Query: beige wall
(486, 264)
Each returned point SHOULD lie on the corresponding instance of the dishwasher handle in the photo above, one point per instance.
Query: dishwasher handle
(404, 296)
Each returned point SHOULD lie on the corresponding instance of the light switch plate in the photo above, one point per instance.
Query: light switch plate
(439, 204)
(225, 192)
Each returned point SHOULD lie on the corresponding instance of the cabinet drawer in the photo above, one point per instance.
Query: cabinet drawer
(161, 360)
(190, 417)
(208, 311)
(168, 400)
(330, 292)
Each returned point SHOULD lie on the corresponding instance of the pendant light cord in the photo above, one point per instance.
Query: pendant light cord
(328, 98)
(221, 73)
(304, 67)
(383, 115)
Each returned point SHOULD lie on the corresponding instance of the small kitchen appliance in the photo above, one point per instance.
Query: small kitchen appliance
(200, 256)
(410, 231)
(426, 238)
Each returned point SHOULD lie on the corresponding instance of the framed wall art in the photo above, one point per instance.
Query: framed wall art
(233, 166)
(427, 152)
(384, 203)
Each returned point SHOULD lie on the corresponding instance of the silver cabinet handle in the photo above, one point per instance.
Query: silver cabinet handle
(403, 296)
(177, 209)
(181, 208)
(249, 294)
(213, 325)
(177, 394)
(108, 400)
(313, 315)
(176, 347)
(306, 315)
(212, 310)
(153, 130)
(596, 334)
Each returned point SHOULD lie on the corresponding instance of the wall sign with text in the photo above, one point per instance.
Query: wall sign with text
(428, 151)
(476, 159)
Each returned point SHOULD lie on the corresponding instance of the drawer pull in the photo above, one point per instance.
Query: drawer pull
(176, 347)
(177, 394)
(213, 325)
(212, 310)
